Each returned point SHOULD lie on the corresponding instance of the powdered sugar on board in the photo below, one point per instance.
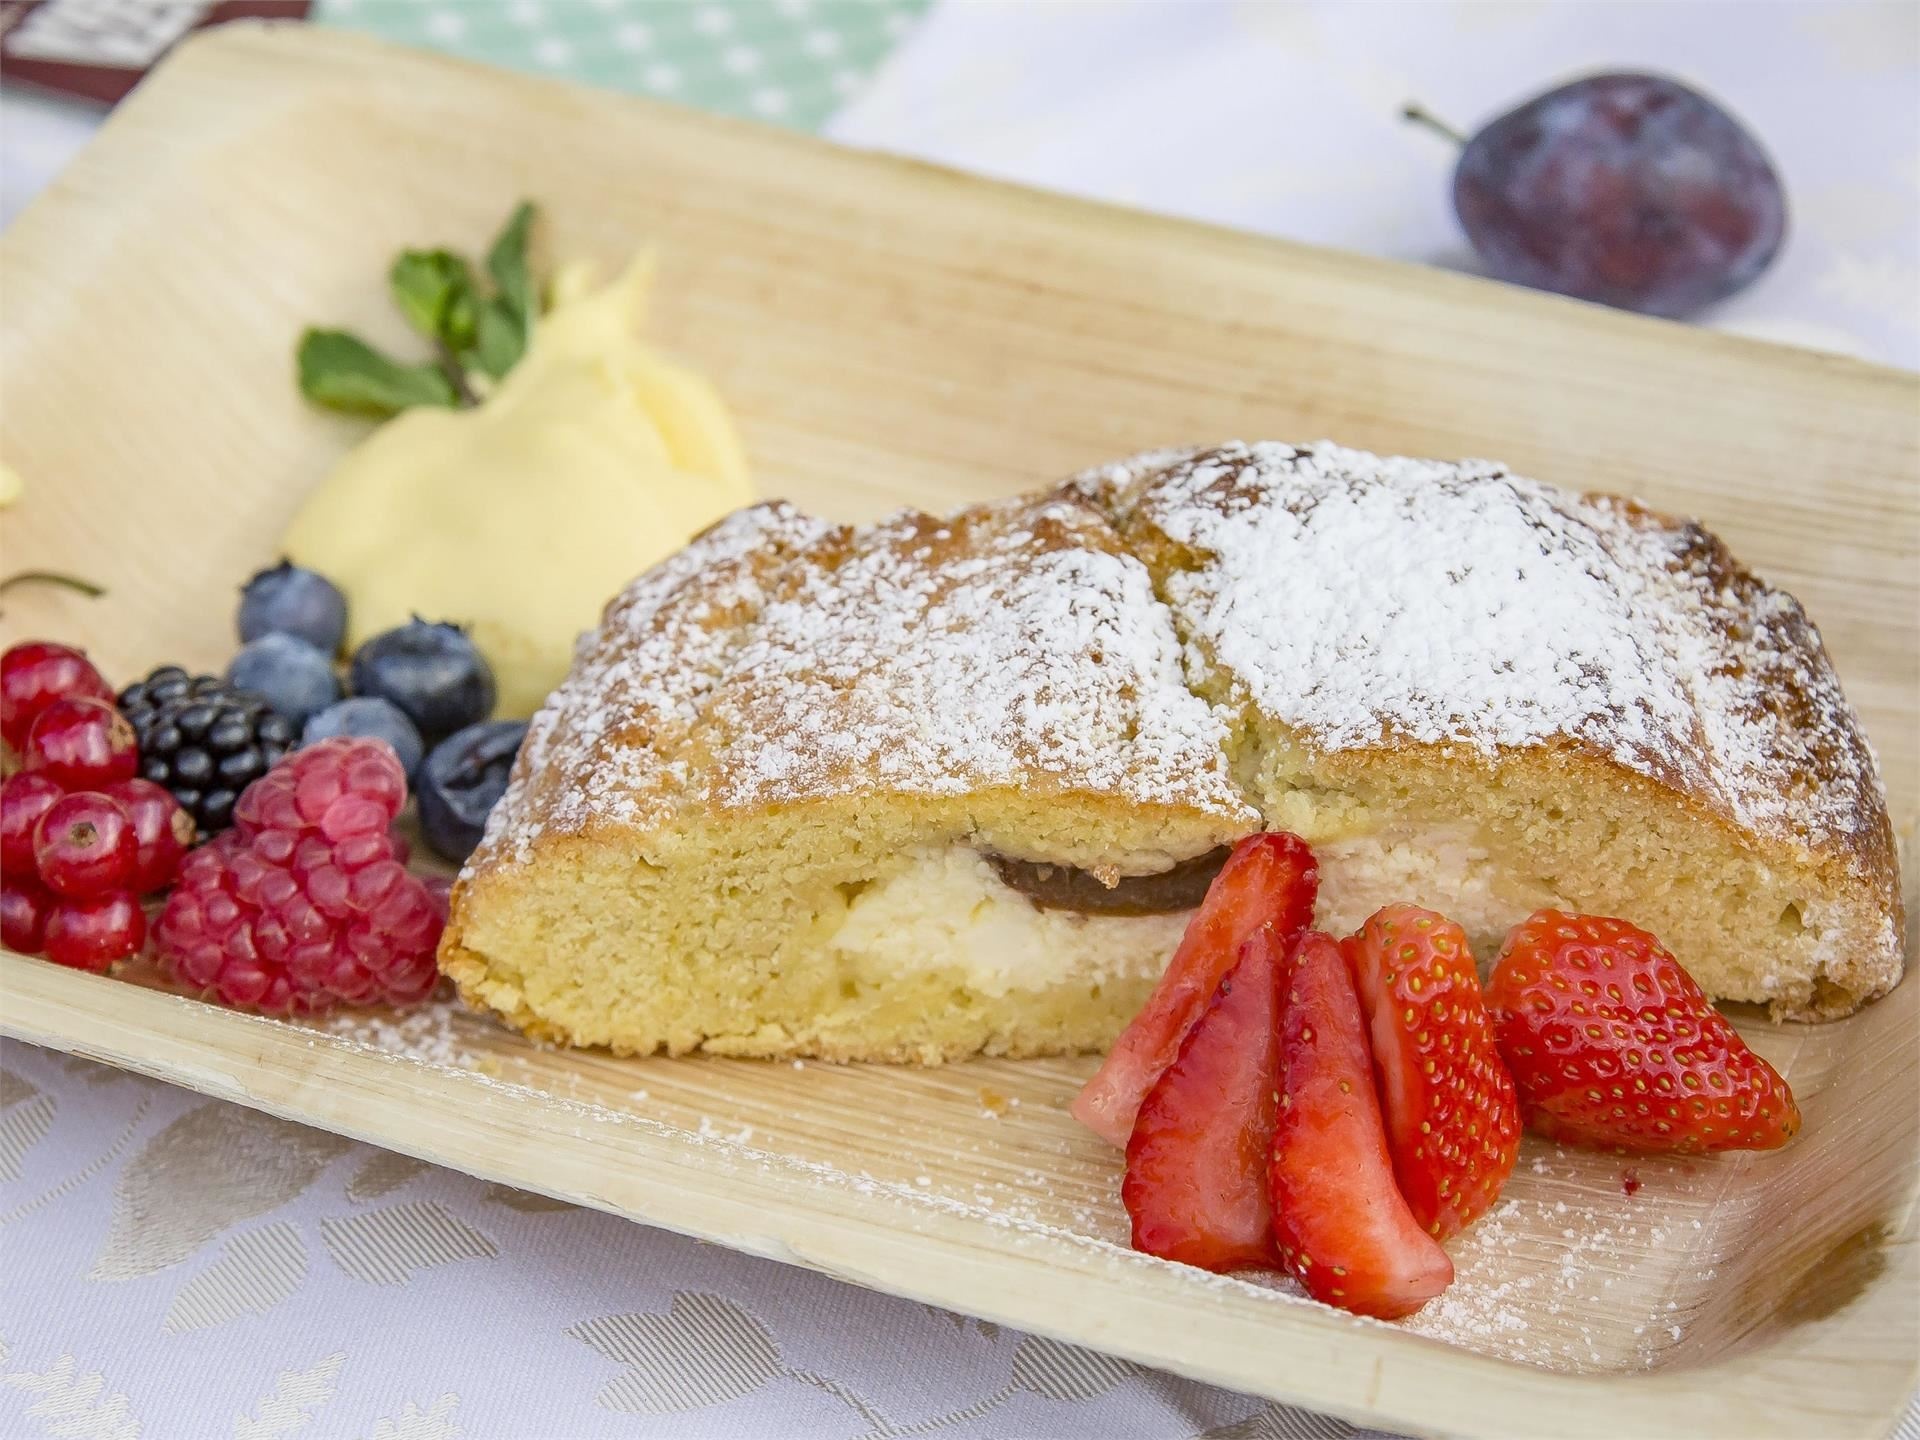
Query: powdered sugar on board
(428, 1033)
(1365, 600)
(1567, 1273)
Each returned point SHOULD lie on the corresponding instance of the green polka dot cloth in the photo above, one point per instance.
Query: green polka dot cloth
(793, 62)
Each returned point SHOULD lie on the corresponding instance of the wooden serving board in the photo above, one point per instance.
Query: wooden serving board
(891, 333)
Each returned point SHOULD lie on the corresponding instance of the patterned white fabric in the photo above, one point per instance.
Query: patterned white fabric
(178, 1267)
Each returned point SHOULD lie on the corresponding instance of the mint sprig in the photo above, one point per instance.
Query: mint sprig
(343, 372)
(474, 333)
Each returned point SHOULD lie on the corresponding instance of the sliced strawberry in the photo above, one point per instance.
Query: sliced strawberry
(1452, 1122)
(1269, 879)
(1196, 1183)
(1342, 1225)
(1612, 1044)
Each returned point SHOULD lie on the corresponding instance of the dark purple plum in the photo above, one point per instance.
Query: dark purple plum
(1630, 190)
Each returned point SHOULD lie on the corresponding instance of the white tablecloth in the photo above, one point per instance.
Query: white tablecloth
(175, 1266)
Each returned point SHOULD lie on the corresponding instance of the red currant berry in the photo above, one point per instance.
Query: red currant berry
(24, 906)
(162, 831)
(85, 846)
(34, 674)
(24, 798)
(92, 934)
(83, 744)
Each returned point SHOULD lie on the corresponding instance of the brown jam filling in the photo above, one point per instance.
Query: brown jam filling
(1062, 887)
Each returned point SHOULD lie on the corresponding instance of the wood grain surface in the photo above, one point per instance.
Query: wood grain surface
(894, 334)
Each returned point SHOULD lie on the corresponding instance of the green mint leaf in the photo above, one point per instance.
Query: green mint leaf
(507, 264)
(500, 339)
(429, 286)
(343, 372)
(461, 320)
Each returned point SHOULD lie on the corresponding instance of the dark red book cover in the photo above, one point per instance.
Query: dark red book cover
(98, 49)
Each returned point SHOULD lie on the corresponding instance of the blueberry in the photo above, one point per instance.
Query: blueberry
(287, 600)
(373, 718)
(461, 781)
(288, 673)
(432, 672)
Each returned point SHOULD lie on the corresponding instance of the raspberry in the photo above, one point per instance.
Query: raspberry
(306, 902)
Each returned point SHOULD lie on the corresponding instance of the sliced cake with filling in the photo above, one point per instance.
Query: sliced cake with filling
(940, 787)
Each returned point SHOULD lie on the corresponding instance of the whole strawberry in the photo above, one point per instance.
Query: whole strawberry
(1612, 1044)
(306, 903)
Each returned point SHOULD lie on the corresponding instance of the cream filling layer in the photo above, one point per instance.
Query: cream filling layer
(1440, 867)
(949, 911)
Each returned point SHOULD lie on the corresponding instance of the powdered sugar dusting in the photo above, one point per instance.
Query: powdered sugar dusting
(640, 679)
(1008, 646)
(1366, 600)
(1566, 1273)
(780, 659)
(427, 1033)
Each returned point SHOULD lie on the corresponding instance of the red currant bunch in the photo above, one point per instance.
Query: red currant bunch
(80, 838)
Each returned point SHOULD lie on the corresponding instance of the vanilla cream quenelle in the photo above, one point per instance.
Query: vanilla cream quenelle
(595, 457)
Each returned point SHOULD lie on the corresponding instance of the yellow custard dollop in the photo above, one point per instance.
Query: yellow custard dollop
(520, 517)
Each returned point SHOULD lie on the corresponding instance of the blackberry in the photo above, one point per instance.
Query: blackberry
(204, 740)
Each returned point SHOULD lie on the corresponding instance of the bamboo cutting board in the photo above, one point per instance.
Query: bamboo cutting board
(891, 333)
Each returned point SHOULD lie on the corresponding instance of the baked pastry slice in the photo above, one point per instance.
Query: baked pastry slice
(776, 807)
(935, 788)
(1486, 695)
